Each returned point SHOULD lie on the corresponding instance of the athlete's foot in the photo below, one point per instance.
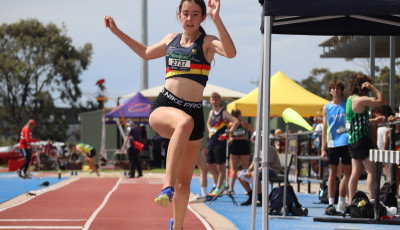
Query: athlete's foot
(171, 224)
(165, 197)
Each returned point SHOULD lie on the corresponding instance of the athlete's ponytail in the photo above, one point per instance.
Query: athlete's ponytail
(201, 29)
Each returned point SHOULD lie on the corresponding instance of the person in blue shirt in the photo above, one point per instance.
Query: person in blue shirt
(334, 145)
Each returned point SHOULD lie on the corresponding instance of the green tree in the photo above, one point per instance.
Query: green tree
(319, 79)
(382, 83)
(38, 64)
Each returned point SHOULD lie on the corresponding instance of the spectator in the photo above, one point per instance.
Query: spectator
(245, 176)
(239, 148)
(26, 148)
(157, 143)
(357, 124)
(132, 136)
(280, 141)
(47, 148)
(334, 145)
(217, 124)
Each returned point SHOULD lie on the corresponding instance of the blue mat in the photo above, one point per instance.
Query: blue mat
(11, 185)
(240, 216)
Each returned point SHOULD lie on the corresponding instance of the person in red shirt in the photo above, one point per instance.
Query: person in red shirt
(24, 145)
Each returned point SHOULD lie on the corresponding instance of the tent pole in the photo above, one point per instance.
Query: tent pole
(372, 56)
(103, 127)
(121, 131)
(284, 206)
(392, 72)
(256, 156)
(265, 117)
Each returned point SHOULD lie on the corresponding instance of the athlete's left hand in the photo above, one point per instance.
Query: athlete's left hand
(213, 8)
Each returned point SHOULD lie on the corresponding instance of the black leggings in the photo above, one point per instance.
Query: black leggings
(27, 153)
(134, 162)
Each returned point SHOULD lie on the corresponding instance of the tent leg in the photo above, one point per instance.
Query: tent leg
(256, 155)
(284, 207)
(265, 116)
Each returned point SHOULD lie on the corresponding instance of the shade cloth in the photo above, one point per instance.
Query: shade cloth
(285, 93)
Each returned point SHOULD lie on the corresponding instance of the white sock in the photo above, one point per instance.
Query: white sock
(203, 191)
(331, 200)
(342, 200)
(391, 211)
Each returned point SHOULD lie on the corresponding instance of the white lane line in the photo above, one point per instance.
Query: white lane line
(55, 220)
(40, 227)
(205, 223)
(90, 220)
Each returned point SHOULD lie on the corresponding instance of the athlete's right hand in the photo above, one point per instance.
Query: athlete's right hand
(324, 156)
(110, 23)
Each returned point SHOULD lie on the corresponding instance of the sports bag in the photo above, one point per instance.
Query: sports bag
(323, 191)
(387, 194)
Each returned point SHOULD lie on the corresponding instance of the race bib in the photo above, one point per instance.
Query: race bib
(341, 129)
(213, 130)
(348, 126)
(239, 132)
(179, 62)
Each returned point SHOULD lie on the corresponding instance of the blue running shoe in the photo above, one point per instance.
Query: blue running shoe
(165, 196)
(171, 224)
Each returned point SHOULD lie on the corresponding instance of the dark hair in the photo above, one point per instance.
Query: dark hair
(384, 110)
(203, 8)
(71, 146)
(355, 83)
(236, 112)
(336, 84)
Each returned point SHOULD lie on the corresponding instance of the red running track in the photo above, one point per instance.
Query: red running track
(96, 203)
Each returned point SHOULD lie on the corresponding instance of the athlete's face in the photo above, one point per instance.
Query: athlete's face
(336, 91)
(215, 101)
(191, 16)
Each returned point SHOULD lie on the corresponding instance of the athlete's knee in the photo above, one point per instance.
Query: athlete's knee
(186, 124)
(183, 186)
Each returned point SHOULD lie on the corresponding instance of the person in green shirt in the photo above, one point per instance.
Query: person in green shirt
(358, 129)
(88, 152)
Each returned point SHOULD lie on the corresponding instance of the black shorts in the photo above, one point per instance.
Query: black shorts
(239, 147)
(216, 154)
(360, 149)
(91, 153)
(193, 109)
(341, 152)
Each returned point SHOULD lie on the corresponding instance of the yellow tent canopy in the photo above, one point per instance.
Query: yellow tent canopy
(285, 93)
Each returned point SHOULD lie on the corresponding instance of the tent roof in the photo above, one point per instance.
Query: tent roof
(137, 108)
(226, 94)
(357, 47)
(333, 17)
(285, 93)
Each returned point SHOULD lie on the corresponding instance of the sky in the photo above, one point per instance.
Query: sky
(112, 60)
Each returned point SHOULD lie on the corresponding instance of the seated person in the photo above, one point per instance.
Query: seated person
(245, 177)
(387, 167)
(280, 141)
